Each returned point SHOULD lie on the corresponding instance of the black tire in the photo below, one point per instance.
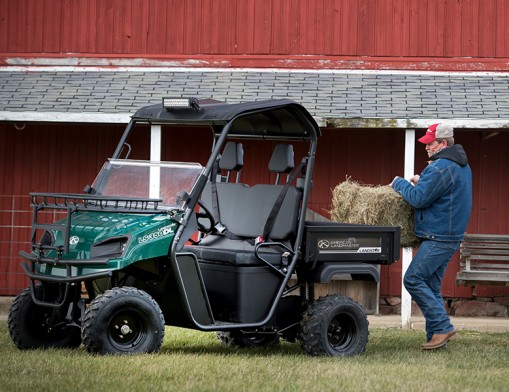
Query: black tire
(123, 320)
(334, 326)
(246, 340)
(33, 326)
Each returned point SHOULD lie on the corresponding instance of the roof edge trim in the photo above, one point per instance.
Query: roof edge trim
(397, 123)
(404, 123)
(62, 117)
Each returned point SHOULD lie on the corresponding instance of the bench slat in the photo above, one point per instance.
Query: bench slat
(486, 237)
(480, 275)
(487, 257)
(483, 247)
(488, 273)
(470, 278)
(485, 274)
(487, 265)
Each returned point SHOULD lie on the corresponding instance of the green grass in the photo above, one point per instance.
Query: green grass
(191, 360)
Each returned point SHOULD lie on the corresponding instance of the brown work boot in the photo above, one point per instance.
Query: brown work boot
(439, 340)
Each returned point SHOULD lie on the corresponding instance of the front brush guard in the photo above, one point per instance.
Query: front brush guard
(71, 203)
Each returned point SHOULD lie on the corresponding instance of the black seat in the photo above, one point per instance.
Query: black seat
(282, 160)
(244, 211)
(232, 159)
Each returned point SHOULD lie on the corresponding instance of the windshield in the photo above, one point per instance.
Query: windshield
(144, 179)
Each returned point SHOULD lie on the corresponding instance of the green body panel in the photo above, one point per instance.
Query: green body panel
(146, 236)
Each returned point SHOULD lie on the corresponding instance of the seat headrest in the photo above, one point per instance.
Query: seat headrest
(282, 159)
(233, 157)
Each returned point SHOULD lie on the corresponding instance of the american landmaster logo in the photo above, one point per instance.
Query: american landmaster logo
(347, 245)
(350, 243)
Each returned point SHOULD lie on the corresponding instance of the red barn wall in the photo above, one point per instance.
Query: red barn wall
(285, 33)
(65, 157)
(378, 29)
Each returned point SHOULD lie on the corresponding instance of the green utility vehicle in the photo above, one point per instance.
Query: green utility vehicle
(153, 243)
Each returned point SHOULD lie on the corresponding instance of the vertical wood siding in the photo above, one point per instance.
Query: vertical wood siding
(43, 158)
(377, 28)
(64, 158)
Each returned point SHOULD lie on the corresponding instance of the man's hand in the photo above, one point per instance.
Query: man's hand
(415, 179)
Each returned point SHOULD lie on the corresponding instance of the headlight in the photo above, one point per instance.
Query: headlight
(111, 248)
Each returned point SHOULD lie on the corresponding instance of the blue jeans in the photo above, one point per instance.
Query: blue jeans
(423, 280)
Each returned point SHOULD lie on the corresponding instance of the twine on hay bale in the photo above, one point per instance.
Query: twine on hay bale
(373, 205)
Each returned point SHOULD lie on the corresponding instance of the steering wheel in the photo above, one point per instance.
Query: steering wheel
(205, 213)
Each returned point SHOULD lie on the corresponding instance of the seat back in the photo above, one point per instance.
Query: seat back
(232, 159)
(244, 210)
(282, 160)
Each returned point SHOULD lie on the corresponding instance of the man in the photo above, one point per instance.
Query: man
(442, 200)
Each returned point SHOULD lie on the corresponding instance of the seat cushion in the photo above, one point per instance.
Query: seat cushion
(222, 250)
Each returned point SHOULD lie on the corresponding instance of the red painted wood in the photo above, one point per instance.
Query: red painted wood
(326, 34)
(373, 28)
(64, 158)
(41, 157)
(502, 28)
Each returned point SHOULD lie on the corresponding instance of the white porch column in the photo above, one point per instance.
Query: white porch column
(406, 300)
(155, 155)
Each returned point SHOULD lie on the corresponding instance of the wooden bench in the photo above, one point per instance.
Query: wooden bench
(484, 260)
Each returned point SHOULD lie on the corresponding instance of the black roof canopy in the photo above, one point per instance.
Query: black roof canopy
(273, 118)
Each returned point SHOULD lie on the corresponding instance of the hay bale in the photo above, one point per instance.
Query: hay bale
(373, 205)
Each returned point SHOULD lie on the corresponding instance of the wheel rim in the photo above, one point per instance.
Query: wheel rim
(341, 332)
(127, 329)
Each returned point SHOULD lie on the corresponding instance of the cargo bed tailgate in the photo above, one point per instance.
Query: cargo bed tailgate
(330, 242)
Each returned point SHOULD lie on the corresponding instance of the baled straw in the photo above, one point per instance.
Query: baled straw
(373, 205)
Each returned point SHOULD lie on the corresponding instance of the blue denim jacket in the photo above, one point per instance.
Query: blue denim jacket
(442, 199)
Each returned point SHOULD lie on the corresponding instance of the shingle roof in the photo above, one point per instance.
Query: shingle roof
(333, 97)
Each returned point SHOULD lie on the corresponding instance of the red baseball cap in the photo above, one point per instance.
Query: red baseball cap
(437, 131)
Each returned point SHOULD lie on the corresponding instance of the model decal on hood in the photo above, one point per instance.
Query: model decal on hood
(162, 232)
